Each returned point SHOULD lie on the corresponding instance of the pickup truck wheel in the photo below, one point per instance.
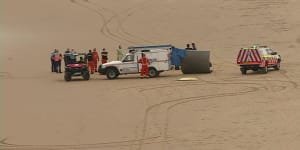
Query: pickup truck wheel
(153, 73)
(277, 67)
(111, 73)
(68, 76)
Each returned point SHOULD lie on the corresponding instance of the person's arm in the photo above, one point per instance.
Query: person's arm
(148, 61)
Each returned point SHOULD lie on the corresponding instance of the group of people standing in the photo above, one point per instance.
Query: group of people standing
(188, 46)
(69, 57)
(93, 59)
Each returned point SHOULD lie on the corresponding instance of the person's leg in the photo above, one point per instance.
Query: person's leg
(52, 66)
(59, 67)
(56, 66)
(92, 67)
(147, 71)
(95, 65)
(142, 71)
(89, 67)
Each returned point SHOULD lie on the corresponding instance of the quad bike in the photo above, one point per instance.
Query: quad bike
(77, 67)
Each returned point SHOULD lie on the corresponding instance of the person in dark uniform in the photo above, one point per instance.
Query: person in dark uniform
(194, 46)
(104, 56)
(73, 54)
(67, 58)
(188, 47)
(81, 60)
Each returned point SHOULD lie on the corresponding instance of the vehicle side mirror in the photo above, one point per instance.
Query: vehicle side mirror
(274, 53)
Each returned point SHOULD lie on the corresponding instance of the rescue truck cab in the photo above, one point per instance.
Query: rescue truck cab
(258, 58)
(159, 62)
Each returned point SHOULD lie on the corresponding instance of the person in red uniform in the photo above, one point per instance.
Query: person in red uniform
(145, 66)
(104, 55)
(95, 58)
(90, 62)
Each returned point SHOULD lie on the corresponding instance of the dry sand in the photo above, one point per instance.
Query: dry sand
(222, 110)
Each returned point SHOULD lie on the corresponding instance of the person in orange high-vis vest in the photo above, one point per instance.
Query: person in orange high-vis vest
(57, 62)
(95, 58)
(145, 66)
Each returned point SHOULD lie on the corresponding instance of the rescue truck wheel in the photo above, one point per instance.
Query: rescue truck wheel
(265, 69)
(86, 75)
(153, 73)
(210, 67)
(111, 73)
(68, 76)
(277, 67)
(243, 70)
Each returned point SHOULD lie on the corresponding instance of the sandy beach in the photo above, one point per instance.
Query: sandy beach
(223, 110)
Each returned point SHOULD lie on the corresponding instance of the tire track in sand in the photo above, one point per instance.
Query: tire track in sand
(265, 84)
(105, 29)
(5, 75)
(282, 86)
(248, 89)
(120, 33)
(126, 14)
(115, 144)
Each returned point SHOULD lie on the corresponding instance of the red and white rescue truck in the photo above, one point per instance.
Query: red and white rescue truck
(258, 58)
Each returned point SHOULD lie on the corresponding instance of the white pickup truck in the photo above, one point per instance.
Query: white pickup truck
(159, 62)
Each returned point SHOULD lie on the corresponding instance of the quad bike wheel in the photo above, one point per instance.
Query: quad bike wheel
(86, 75)
(68, 76)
